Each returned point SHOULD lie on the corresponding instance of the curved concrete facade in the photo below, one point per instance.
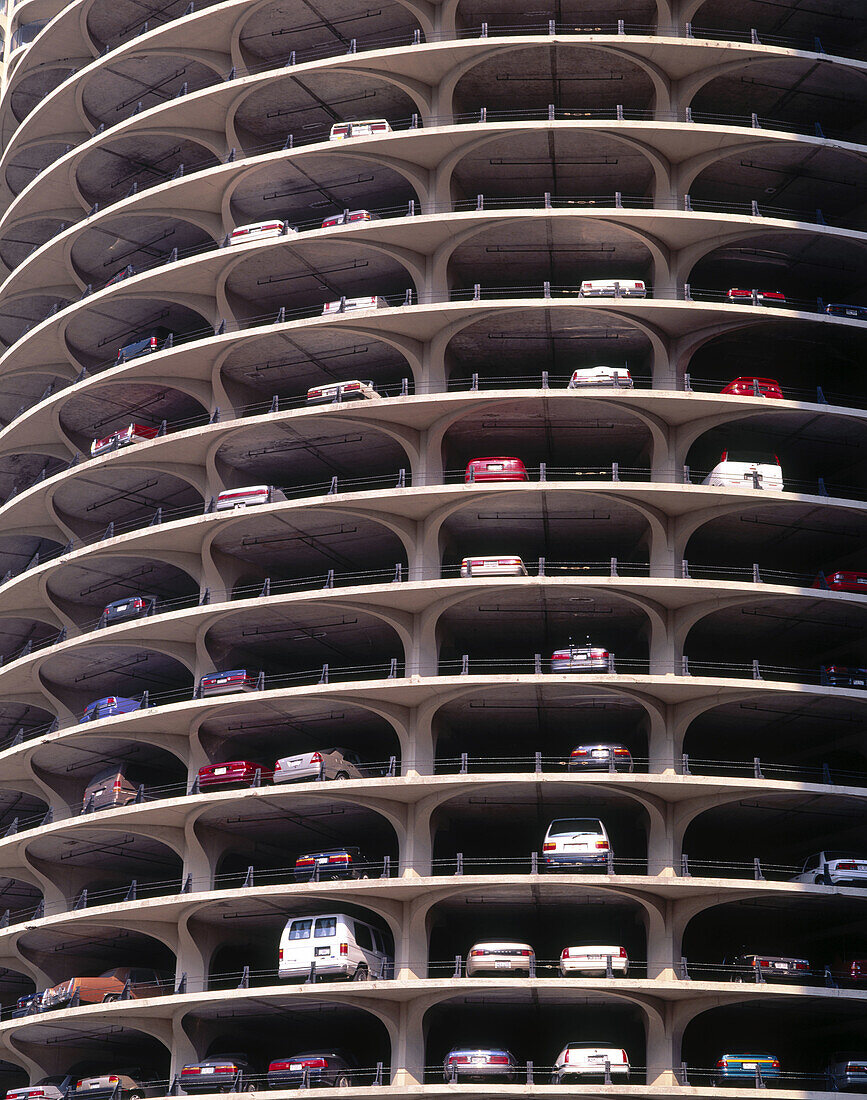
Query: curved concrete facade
(695, 145)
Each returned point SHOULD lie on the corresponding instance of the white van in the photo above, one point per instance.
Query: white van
(340, 131)
(613, 288)
(340, 945)
(746, 470)
(247, 497)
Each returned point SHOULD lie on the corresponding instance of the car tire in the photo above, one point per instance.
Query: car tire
(342, 775)
(342, 1082)
(555, 1078)
(819, 880)
(362, 974)
(135, 1095)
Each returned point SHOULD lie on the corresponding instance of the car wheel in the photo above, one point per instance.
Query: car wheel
(341, 775)
(819, 880)
(135, 1096)
(555, 1078)
(342, 1082)
(362, 974)
(110, 998)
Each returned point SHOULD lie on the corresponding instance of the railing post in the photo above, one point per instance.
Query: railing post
(534, 863)
(757, 768)
(757, 675)
(613, 568)
(464, 762)
(684, 764)
(459, 863)
(757, 577)
(465, 665)
(537, 664)
(543, 471)
(684, 865)
(757, 870)
(538, 762)
(459, 966)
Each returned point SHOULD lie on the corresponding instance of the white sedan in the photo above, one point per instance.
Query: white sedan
(834, 868)
(616, 377)
(576, 1061)
(499, 956)
(493, 567)
(742, 470)
(582, 658)
(591, 960)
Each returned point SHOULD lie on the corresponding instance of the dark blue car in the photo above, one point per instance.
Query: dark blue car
(838, 309)
(107, 706)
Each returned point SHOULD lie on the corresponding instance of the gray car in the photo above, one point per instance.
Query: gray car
(847, 1071)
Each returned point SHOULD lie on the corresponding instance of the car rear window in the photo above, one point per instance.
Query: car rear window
(325, 926)
(767, 458)
(575, 825)
(300, 929)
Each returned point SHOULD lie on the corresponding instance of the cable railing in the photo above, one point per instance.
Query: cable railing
(456, 865)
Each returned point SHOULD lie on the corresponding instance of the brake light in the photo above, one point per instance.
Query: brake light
(314, 1063)
(306, 862)
(560, 657)
(721, 1064)
(847, 866)
(549, 846)
(225, 1069)
(775, 1064)
(524, 952)
(603, 844)
(344, 949)
(764, 964)
(475, 954)
(507, 561)
(281, 954)
(802, 966)
(316, 758)
(622, 952)
(498, 1059)
(621, 752)
(458, 1059)
(580, 752)
(352, 386)
(118, 785)
(240, 232)
(188, 1071)
(340, 859)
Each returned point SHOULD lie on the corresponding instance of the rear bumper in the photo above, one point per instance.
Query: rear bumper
(298, 775)
(325, 968)
(556, 862)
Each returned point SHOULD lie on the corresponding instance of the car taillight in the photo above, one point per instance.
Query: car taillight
(455, 1059)
(775, 1064)
(847, 866)
(763, 963)
(721, 1064)
(314, 393)
(560, 657)
(622, 952)
(352, 386)
(802, 966)
(524, 953)
(118, 785)
(281, 954)
(138, 603)
(113, 1080)
(602, 844)
(621, 752)
(316, 758)
(225, 1069)
(344, 949)
(507, 561)
(304, 862)
(188, 1071)
(340, 859)
(580, 752)
(549, 846)
(498, 1059)
(78, 1084)
(314, 1063)
(240, 232)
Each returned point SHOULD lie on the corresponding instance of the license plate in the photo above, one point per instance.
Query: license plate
(577, 847)
(502, 964)
(599, 752)
(323, 951)
(495, 466)
(206, 1069)
(479, 1061)
(781, 966)
(322, 859)
(295, 1066)
(122, 607)
(220, 771)
(749, 1065)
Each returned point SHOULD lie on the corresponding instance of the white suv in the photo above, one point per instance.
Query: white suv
(575, 1060)
(573, 842)
(750, 470)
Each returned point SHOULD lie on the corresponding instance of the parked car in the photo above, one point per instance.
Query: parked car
(746, 469)
(834, 868)
(143, 346)
(850, 973)
(575, 842)
(840, 676)
(747, 386)
(618, 377)
(340, 945)
(353, 390)
(495, 469)
(347, 217)
(130, 607)
(497, 956)
(27, 1005)
(107, 706)
(109, 788)
(838, 309)
(107, 986)
(46, 1088)
(331, 1067)
(613, 288)
(331, 864)
(603, 756)
(846, 1071)
(346, 305)
(322, 764)
(749, 967)
(246, 497)
(123, 437)
(232, 773)
(480, 1064)
(844, 580)
(577, 1060)
(591, 961)
(130, 1085)
(224, 683)
(218, 1073)
(763, 297)
(493, 567)
(259, 231)
(340, 131)
(733, 1069)
(118, 277)
(582, 658)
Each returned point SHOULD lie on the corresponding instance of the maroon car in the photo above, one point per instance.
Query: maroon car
(232, 773)
(496, 469)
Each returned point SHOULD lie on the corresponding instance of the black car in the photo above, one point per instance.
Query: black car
(320, 1067)
(131, 607)
(27, 1005)
(333, 863)
(838, 676)
(838, 309)
(600, 756)
(218, 1073)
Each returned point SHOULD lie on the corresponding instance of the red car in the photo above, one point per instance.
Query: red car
(744, 386)
(124, 437)
(845, 580)
(233, 773)
(496, 469)
(851, 972)
(763, 297)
